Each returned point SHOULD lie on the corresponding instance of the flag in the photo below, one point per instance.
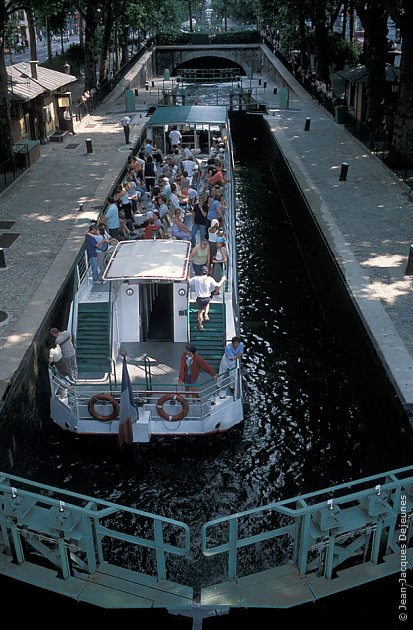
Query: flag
(127, 413)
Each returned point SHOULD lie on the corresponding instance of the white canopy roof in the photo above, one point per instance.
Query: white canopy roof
(149, 260)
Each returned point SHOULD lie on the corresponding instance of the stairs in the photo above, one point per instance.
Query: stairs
(210, 342)
(93, 349)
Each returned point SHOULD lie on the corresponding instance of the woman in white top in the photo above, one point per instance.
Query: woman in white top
(219, 260)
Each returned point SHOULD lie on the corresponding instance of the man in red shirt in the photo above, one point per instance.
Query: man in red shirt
(190, 367)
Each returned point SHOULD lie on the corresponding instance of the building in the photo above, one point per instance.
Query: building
(39, 97)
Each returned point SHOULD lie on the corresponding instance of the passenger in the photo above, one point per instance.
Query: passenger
(56, 359)
(190, 367)
(63, 338)
(199, 219)
(219, 260)
(200, 256)
(233, 352)
(112, 219)
(212, 236)
(150, 173)
(179, 229)
(204, 286)
(90, 245)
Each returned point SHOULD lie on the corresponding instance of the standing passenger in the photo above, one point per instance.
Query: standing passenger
(64, 340)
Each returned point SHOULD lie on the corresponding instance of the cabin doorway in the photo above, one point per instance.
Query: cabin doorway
(157, 312)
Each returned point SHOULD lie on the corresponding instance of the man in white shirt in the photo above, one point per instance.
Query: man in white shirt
(204, 286)
(175, 137)
(126, 121)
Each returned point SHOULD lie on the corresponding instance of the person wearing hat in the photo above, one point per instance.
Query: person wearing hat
(204, 286)
(212, 236)
(190, 367)
(219, 260)
(233, 351)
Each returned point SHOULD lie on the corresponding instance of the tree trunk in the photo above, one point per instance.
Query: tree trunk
(321, 46)
(403, 124)
(49, 40)
(125, 47)
(6, 142)
(103, 60)
(303, 41)
(374, 20)
(32, 35)
(91, 22)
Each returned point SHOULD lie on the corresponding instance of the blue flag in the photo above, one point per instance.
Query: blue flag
(127, 413)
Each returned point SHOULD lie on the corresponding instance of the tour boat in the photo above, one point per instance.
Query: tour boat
(130, 331)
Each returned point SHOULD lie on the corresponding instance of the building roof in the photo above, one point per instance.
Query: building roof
(189, 114)
(23, 87)
(359, 74)
(150, 259)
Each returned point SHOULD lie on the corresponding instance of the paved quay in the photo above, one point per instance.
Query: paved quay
(366, 220)
(43, 205)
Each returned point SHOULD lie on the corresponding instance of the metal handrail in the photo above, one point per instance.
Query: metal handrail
(295, 517)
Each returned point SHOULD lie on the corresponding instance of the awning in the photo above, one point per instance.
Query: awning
(359, 74)
(188, 115)
(158, 259)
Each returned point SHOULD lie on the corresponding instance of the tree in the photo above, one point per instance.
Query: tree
(373, 16)
(401, 12)
(7, 7)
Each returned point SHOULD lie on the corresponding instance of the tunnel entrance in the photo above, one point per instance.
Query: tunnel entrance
(209, 70)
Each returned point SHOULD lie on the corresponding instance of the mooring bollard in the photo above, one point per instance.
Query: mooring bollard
(80, 204)
(343, 172)
(89, 147)
(2, 259)
(409, 267)
(265, 84)
(307, 124)
(153, 83)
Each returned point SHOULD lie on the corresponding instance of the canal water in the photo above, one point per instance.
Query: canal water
(303, 429)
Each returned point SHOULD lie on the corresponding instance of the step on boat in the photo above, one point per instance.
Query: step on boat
(134, 327)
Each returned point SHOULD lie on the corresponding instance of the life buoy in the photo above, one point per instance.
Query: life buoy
(98, 398)
(178, 416)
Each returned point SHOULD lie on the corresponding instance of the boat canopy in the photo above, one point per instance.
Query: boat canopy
(158, 259)
(188, 115)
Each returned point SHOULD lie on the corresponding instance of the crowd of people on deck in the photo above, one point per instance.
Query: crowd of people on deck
(180, 195)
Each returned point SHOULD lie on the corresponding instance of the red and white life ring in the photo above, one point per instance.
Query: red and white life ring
(99, 398)
(178, 398)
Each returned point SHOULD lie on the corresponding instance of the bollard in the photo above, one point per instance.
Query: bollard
(2, 259)
(80, 204)
(275, 90)
(147, 86)
(153, 83)
(409, 268)
(259, 81)
(265, 84)
(343, 172)
(89, 147)
(307, 124)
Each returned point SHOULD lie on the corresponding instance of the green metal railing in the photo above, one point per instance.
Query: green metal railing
(321, 530)
(77, 532)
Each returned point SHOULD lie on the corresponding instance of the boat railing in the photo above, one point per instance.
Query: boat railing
(201, 400)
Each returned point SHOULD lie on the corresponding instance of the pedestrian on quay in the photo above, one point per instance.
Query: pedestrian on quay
(204, 286)
(233, 351)
(64, 340)
(126, 121)
(190, 367)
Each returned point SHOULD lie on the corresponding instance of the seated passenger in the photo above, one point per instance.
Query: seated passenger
(179, 229)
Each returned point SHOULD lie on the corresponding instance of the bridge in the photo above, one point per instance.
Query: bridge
(276, 556)
(246, 57)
